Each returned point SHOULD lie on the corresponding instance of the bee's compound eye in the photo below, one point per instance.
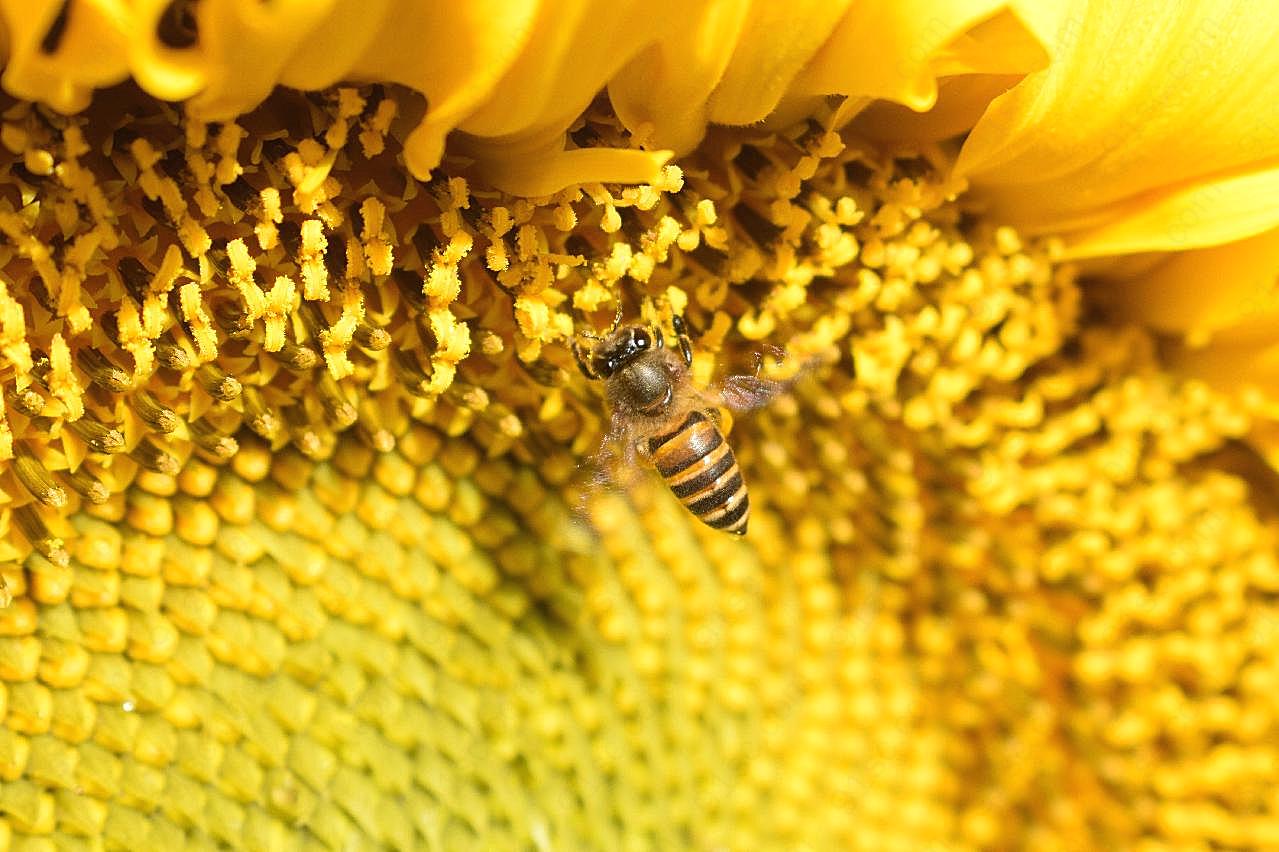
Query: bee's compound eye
(642, 340)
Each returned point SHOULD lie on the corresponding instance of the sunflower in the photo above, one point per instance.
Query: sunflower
(301, 545)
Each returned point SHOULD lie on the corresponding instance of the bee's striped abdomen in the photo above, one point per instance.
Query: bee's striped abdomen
(702, 472)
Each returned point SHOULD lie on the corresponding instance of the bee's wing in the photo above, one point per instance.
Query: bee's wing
(746, 393)
(615, 467)
(616, 463)
(620, 450)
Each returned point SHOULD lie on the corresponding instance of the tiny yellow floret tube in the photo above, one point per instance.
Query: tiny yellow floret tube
(306, 541)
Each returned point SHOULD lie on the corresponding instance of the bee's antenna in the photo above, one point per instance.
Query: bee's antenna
(617, 318)
(583, 356)
(583, 360)
(591, 335)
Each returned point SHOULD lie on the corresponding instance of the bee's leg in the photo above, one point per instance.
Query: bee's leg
(681, 334)
(583, 363)
(778, 353)
(723, 418)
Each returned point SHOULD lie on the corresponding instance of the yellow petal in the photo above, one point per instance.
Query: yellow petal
(473, 46)
(248, 43)
(1222, 304)
(960, 103)
(575, 48)
(60, 54)
(1264, 437)
(1207, 212)
(543, 173)
(1143, 106)
(167, 72)
(661, 94)
(777, 41)
(897, 50)
(787, 59)
(237, 58)
(1223, 294)
(1245, 366)
(356, 30)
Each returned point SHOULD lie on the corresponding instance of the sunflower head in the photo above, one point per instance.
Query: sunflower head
(303, 535)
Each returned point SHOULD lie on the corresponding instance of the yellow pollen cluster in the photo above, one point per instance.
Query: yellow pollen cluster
(298, 547)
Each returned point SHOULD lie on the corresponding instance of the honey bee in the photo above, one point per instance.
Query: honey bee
(658, 413)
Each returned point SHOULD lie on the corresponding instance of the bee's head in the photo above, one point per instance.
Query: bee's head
(639, 376)
(619, 350)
